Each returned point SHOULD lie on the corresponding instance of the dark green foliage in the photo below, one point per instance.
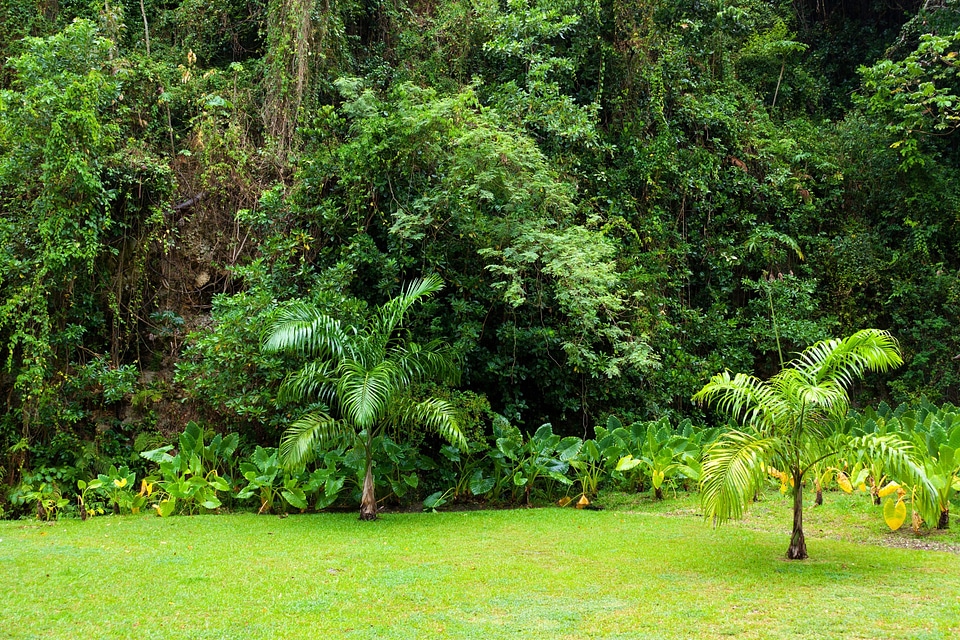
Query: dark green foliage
(622, 197)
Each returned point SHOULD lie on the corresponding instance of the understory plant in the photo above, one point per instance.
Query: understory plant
(190, 479)
(363, 373)
(787, 422)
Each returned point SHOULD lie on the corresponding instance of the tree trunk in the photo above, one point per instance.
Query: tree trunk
(798, 545)
(368, 501)
(658, 493)
(944, 522)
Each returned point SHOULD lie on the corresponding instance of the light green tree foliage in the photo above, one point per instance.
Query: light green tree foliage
(528, 34)
(55, 136)
(363, 375)
(466, 192)
(790, 423)
(918, 96)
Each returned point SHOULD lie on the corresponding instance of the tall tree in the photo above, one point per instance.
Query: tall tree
(363, 373)
(788, 422)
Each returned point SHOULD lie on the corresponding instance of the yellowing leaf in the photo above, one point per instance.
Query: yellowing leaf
(582, 502)
(887, 490)
(564, 501)
(917, 522)
(894, 513)
(844, 483)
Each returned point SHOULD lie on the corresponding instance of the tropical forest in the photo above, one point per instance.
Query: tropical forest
(608, 318)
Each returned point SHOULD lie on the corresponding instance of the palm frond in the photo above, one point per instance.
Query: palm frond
(848, 359)
(304, 329)
(734, 468)
(434, 413)
(299, 441)
(433, 361)
(743, 397)
(391, 313)
(898, 458)
(364, 394)
(314, 380)
(806, 394)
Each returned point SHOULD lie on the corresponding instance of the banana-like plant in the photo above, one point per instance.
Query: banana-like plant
(363, 374)
(788, 423)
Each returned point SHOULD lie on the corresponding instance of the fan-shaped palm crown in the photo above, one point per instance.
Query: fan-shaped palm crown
(363, 373)
(789, 423)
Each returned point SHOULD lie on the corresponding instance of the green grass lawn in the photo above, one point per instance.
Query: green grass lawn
(640, 571)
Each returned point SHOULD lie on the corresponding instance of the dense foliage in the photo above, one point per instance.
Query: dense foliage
(622, 198)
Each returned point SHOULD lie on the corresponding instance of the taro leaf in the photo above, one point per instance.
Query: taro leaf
(450, 453)
(658, 477)
(559, 477)
(229, 445)
(894, 513)
(508, 447)
(434, 500)
(158, 455)
(219, 484)
(628, 462)
(844, 482)
(324, 501)
(166, 507)
(263, 458)
(480, 485)
(412, 479)
(569, 447)
(553, 465)
(192, 438)
(590, 452)
(333, 485)
(891, 487)
(295, 497)
(519, 479)
(545, 432)
(692, 471)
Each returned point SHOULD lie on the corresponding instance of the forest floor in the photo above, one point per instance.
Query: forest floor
(636, 569)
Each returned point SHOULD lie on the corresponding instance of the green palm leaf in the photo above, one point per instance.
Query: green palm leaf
(364, 395)
(300, 440)
(734, 469)
(898, 458)
(435, 414)
(314, 380)
(302, 328)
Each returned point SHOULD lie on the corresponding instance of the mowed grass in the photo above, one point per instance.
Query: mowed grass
(657, 572)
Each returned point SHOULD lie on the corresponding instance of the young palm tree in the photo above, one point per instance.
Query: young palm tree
(790, 424)
(364, 375)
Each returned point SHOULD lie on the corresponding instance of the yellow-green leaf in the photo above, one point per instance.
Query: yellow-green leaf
(894, 513)
(887, 490)
(844, 483)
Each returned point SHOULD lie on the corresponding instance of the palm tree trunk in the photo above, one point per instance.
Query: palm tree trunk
(368, 499)
(798, 545)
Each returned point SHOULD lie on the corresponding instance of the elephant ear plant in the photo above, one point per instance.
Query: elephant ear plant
(787, 424)
(363, 373)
